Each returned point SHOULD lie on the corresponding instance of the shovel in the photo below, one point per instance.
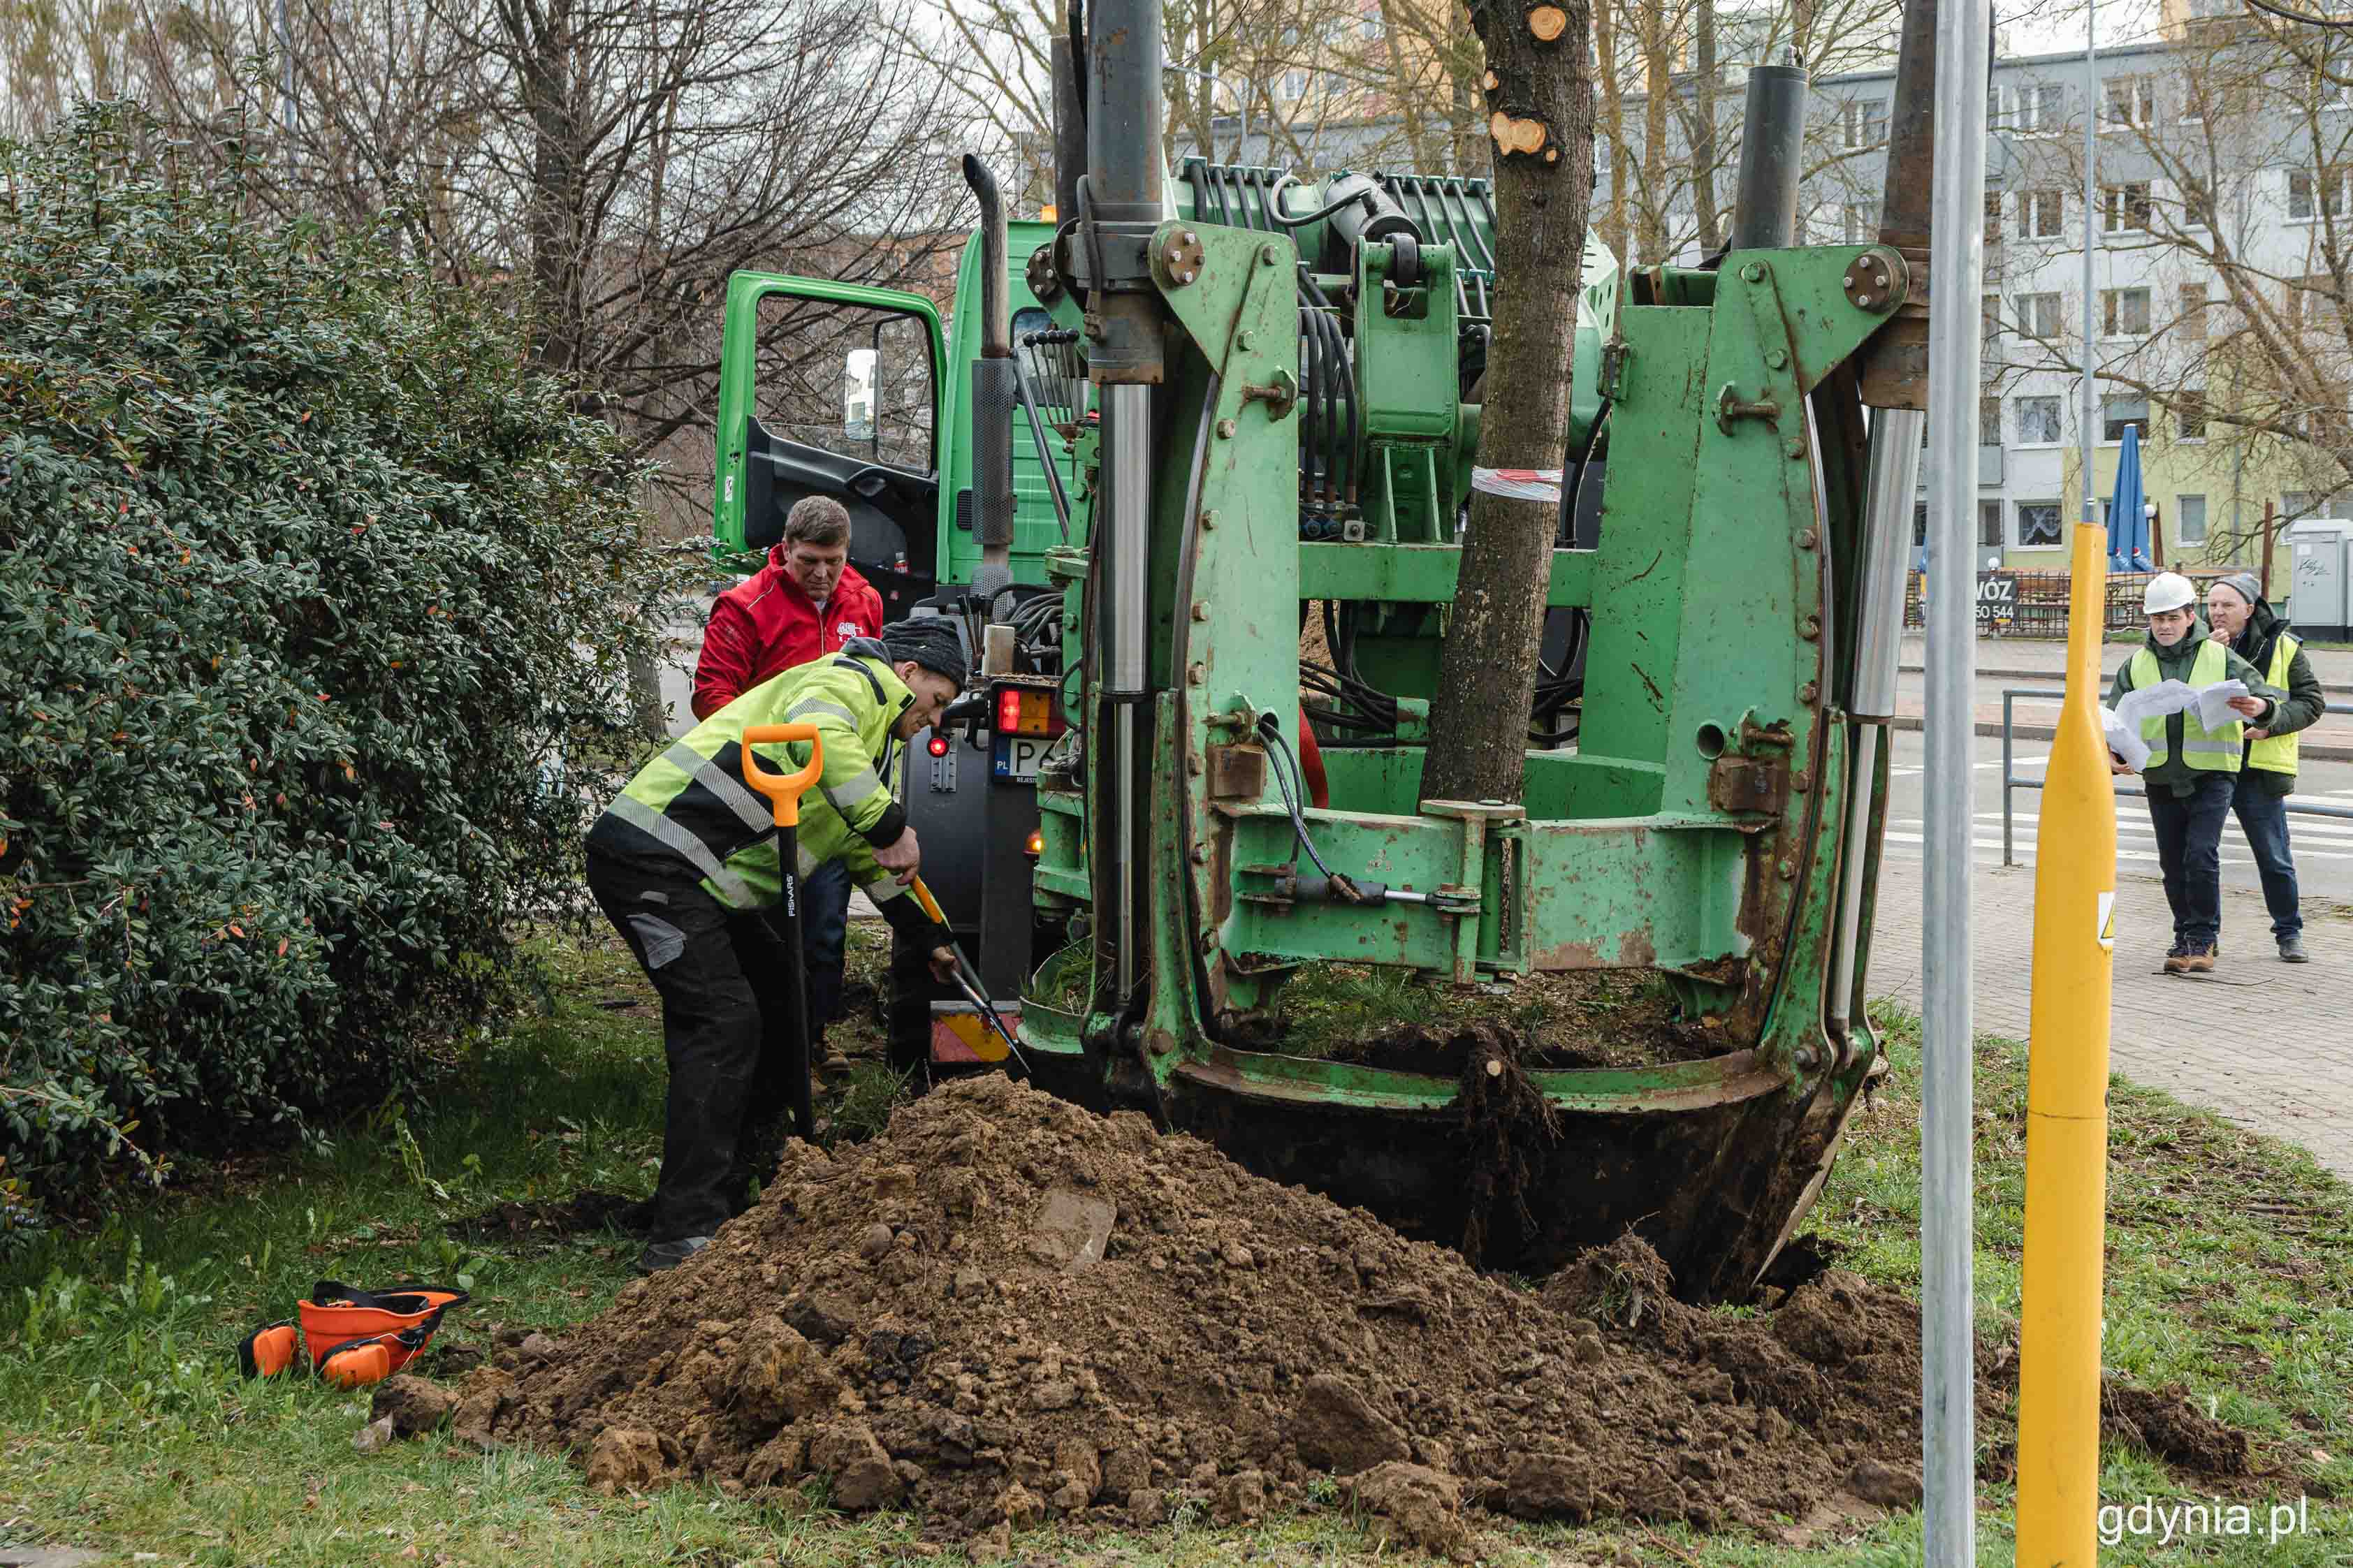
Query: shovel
(784, 792)
(968, 982)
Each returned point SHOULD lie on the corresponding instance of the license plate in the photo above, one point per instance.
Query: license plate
(1017, 756)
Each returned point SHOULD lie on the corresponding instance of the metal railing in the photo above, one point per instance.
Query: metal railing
(2020, 602)
(2010, 781)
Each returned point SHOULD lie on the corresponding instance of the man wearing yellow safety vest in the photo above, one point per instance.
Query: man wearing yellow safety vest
(2250, 627)
(684, 863)
(2190, 768)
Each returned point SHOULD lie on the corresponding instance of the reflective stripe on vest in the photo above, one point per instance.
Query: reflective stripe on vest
(2214, 750)
(2277, 752)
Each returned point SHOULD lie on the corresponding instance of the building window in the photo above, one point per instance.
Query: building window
(1993, 217)
(2038, 109)
(1860, 223)
(2125, 209)
(1993, 106)
(1988, 421)
(1989, 317)
(2188, 520)
(2038, 316)
(1863, 123)
(2312, 301)
(2130, 102)
(2316, 192)
(2296, 505)
(1919, 525)
(2041, 213)
(2189, 415)
(2037, 422)
(1294, 85)
(1990, 526)
(2038, 526)
(2192, 323)
(2115, 413)
(2123, 312)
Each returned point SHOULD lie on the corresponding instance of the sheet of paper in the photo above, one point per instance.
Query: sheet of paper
(2214, 703)
(2166, 698)
(2124, 737)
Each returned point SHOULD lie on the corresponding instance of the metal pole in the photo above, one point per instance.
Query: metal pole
(1892, 473)
(1123, 196)
(2091, 204)
(1772, 131)
(2007, 704)
(1127, 474)
(1947, 1216)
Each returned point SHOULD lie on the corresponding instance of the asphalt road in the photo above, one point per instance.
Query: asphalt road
(2323, 845)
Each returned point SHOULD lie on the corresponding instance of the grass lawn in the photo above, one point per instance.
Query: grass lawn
(124, 1426)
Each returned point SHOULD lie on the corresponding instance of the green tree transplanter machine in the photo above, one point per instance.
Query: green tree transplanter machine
(1164, 432)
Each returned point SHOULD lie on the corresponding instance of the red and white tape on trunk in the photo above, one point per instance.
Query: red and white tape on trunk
(1519, 484)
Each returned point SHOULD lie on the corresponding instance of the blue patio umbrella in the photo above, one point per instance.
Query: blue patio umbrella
(2127, 529)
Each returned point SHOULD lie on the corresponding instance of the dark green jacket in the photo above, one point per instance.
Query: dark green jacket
(2306, 700)
(2173, 663)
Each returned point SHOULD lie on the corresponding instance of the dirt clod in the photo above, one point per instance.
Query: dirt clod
(1422, 1506)
(1129, 1321)
(860, 1468)
(1889, 1486)
(2166, 1422)
(1338, 1429)
(624, 1460)
(412, 1405)
(1071, 1231)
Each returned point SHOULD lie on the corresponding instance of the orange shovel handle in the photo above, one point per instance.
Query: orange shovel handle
(931, 905)
(783, 789)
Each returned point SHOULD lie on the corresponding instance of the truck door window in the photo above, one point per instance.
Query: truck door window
(847, 379)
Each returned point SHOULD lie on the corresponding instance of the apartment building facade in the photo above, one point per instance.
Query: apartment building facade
(2222, 229)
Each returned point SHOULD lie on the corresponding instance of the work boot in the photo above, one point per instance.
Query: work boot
(661, 1254)
(2291, 948)
(2199, 960)
(2176, 962)
(828, 1056)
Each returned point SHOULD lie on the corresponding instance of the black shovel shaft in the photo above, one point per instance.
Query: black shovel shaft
(796, 1021)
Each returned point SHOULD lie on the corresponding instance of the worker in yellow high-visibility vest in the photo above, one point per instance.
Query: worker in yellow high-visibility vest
(2246, 625)
(2192, 770)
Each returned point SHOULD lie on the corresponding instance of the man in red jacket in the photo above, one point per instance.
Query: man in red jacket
(803, 604)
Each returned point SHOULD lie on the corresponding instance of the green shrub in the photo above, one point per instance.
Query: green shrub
(307, 593)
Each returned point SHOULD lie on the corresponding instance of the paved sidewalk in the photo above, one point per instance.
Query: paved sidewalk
(2263, 1044)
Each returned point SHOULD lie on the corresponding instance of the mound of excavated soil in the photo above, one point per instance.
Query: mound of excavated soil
(1007, 1308)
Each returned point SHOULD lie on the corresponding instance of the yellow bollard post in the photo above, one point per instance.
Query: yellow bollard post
(2067, 1107)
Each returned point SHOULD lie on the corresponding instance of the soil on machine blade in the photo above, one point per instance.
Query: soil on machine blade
(1007, 1308)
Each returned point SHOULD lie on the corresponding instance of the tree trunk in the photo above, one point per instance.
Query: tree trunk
(1703, 130)
(1611, 130)
(1540, 119)
(1658, 72)
(552, 220)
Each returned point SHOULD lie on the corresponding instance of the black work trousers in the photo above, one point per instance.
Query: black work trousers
(724, 1031)
(2190, 851)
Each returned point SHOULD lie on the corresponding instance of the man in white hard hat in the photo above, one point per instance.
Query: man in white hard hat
(2192, 770)
(2246, 623)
